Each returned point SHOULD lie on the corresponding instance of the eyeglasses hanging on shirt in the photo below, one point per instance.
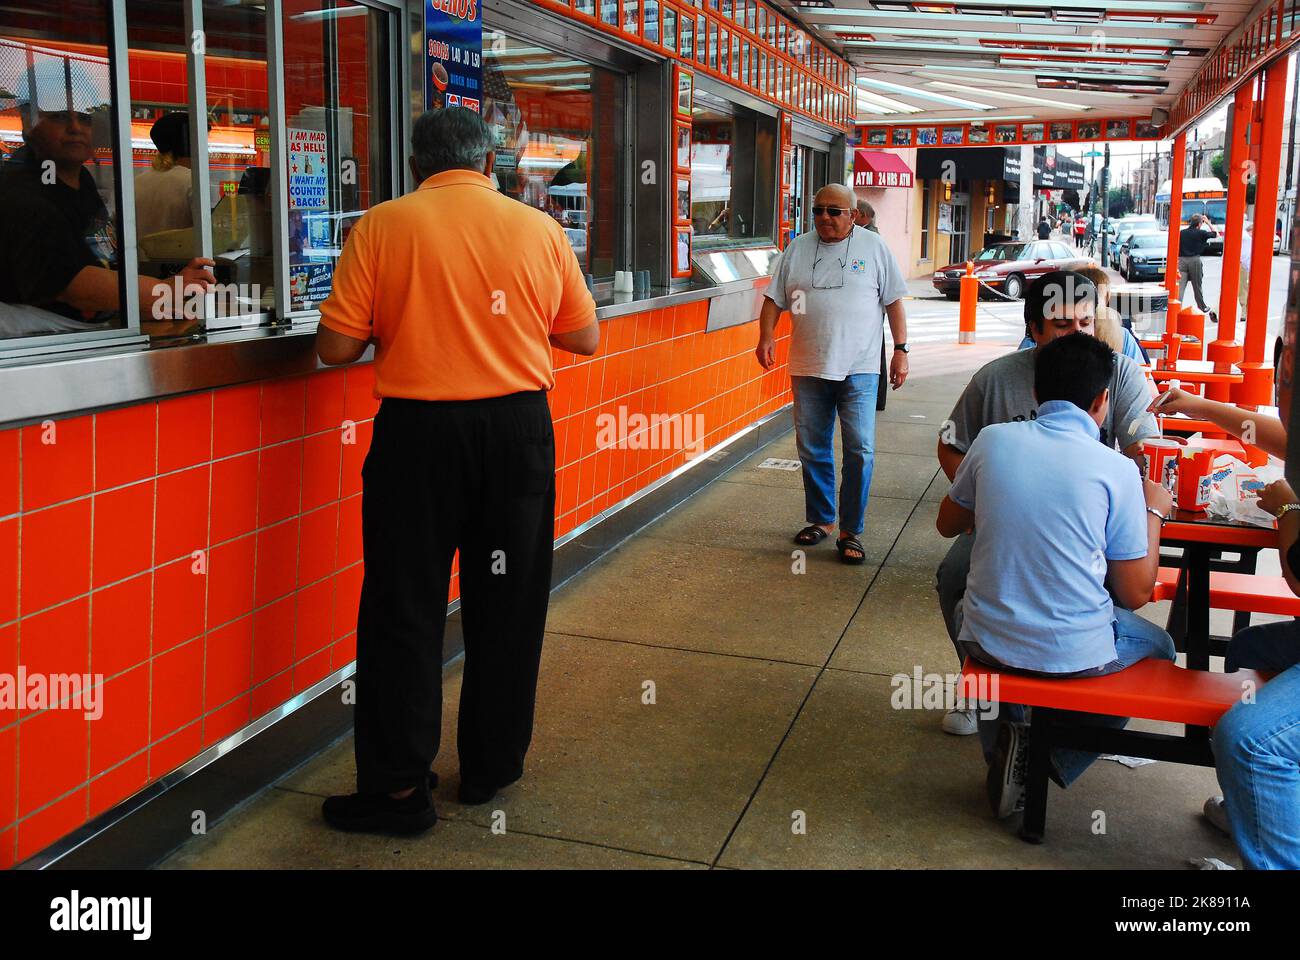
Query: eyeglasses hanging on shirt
(824, 276)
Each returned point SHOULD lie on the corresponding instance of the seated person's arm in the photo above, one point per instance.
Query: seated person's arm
(94, 289)
(1270, 436)
(957, 511)
(1288, 527)
(953, 519)
(950, 459)
(1133, 580)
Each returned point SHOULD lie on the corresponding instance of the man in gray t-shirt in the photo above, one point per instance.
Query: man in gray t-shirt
(839, 283)
(1002, 391)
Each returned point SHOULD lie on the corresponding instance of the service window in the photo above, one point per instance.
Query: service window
(733, 172)
(558, 122)
(337, 91)
(60, 197)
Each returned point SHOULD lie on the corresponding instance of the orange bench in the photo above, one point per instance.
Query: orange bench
(1150, 690)
(1240, 592)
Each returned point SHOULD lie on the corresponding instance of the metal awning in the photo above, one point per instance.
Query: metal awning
(1038, 60)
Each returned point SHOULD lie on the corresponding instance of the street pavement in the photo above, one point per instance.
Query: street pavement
(932, 318)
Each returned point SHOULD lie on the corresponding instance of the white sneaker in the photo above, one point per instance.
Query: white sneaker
(960, 723)
(1215, 812)
(1210, 863)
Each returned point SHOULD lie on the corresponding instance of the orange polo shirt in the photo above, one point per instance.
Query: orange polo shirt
(459, 286)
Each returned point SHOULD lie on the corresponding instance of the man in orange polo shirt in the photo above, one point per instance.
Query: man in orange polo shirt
(463, 291)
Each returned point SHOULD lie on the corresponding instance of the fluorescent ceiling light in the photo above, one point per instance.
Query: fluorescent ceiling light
(923, 94)
(926, 121)
(1019, 98)
(539, 78)
(896, 105)
(336, 14)
(1032, 38)
(541, 65)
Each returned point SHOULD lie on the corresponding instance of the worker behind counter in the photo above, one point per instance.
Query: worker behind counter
(59, 250)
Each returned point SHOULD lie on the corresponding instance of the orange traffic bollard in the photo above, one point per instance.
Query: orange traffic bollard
(970, 291)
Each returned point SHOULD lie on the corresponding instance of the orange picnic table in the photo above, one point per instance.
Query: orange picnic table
(1198, 371)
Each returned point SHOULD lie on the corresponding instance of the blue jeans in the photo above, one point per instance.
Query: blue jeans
(1135, 639)
(816, 402)
(1257, 750)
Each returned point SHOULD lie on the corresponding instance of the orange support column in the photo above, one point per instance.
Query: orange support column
(1238, 174)
(1258, 385)
(1177, 167)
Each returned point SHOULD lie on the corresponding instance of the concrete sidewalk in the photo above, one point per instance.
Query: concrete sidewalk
(770, 739)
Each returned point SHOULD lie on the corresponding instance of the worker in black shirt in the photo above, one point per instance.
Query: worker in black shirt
(59, 252)
(1044, 229)
(1192, 241)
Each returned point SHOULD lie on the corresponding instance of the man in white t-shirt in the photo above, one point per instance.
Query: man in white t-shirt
(838, 282)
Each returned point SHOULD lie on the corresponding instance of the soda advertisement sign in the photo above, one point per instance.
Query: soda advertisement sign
(453, 54)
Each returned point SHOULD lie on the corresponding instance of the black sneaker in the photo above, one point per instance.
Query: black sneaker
(380, 813)
(1006, 778)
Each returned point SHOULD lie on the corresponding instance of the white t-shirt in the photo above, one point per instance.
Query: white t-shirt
(844, 288)
(162, 201)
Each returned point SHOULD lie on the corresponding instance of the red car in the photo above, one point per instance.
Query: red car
(1010, 267)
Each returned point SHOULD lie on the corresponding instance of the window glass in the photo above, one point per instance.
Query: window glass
(631, 16)
(686, 29)
(713, 44)
(701, 35)
(670, 28)
(587, 7)
(651, 32)
(735, 57)
(733, 171)
(609, 12)
(239, 157)
(336, 97)
(58, 184)
(558, 124)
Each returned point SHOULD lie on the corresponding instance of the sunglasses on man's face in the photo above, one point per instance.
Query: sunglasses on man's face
(829, 211)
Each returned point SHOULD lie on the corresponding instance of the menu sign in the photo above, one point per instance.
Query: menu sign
(453, 54)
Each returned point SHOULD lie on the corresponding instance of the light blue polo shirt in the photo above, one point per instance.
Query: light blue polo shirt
(1051, 506)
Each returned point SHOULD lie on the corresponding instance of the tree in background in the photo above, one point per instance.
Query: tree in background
(1119, 201)
(1219, 167)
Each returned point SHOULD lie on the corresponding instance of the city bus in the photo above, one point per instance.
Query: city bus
(1205, 195)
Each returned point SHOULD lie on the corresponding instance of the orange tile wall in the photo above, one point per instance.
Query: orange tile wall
(98, 532)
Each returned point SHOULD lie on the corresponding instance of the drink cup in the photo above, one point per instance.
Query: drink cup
(1162, 460)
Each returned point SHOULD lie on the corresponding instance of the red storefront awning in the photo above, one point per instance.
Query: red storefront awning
(875, 168)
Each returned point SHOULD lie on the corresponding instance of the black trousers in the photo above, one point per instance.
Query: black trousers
(476, 476)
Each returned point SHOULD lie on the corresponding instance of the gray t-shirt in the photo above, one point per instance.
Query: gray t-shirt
(1002, 391)
(845, 288)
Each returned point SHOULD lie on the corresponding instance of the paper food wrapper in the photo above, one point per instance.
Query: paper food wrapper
(1235, 487)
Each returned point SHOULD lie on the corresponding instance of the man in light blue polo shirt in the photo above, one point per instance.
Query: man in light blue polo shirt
(1057, 514)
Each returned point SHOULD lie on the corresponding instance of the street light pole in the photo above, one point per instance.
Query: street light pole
(1105, 206)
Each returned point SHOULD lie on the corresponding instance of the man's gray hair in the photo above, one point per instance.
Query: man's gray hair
(866, 209)
(450, 138)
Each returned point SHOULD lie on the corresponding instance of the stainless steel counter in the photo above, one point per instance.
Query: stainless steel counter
(58, 385)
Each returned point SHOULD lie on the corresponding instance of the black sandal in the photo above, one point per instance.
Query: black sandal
(844, 544)
(810, 536)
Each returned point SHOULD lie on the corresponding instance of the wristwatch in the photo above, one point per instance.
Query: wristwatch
(1163, 519)
(1286, 508)
(902, 347)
